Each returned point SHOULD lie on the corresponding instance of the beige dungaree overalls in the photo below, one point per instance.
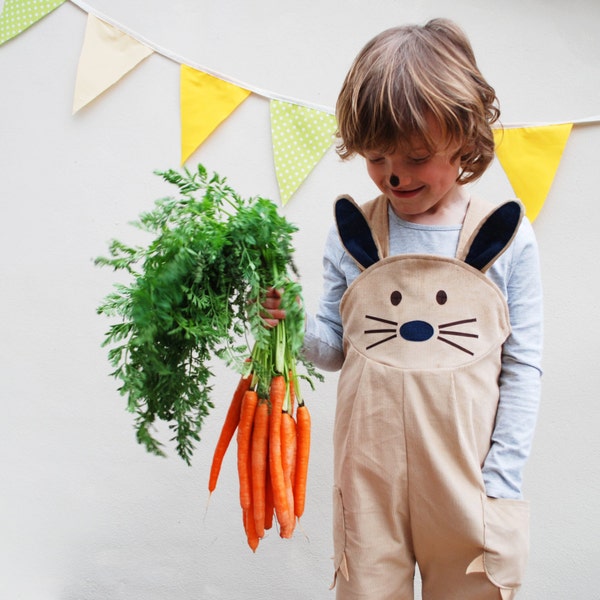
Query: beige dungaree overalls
(417, 399)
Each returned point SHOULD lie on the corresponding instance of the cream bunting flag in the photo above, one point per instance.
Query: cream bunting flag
(206, 102)
(301, 136)
(18, 15)
(530, 157)
(106, 56)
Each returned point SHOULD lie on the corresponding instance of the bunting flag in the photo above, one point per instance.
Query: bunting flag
(18, 15)
(206, 101)
(530, 157)
(300, 137)
(106, 56)
(529, 153)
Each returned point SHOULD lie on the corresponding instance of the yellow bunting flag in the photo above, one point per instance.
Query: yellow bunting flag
(206, 102)
(106, 56)
(530, 157)
(301, 136)
(18, 15)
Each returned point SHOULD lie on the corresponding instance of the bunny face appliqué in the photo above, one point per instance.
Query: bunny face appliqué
(426, 311)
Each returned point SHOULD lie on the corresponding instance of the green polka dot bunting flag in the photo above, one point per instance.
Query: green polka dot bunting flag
(18, 15)
(301, 136)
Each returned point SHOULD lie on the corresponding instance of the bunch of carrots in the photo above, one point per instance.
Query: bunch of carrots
(197, 292)
(273, 447)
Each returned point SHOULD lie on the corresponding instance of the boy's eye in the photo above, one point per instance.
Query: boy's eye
(418, 160)
(375, 160)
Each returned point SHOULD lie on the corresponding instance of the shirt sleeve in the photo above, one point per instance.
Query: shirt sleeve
(520, 377)
(323, 335)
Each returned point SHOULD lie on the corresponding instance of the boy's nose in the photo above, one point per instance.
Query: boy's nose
(398, 180)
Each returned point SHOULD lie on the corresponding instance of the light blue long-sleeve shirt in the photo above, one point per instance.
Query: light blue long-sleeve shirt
(517, 274)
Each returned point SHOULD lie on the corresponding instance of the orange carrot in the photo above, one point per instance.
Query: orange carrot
(244, 437)
(277, 396)
(230, 424)
(248, 516)
(292, 394)
(260, 446)
(288, 458)
(251, 535)
(303, 429)
(269, 509)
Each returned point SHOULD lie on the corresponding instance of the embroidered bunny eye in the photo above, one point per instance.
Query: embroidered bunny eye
(396, 298)
(441, 297)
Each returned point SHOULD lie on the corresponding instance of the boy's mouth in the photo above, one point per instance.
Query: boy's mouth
(406, 194)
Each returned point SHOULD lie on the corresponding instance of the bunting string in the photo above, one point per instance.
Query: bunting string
(584, 121)
(198, 67)
(301, 131)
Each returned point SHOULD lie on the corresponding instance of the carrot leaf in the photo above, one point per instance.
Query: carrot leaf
(194, 295)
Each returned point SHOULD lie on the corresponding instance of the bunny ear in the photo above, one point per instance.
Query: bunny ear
(355, 232)
(494, 235)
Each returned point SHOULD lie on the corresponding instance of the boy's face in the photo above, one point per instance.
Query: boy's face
(419, 184)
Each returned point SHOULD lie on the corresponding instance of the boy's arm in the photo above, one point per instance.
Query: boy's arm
(520, 375)
(322, 345)
(323, 336)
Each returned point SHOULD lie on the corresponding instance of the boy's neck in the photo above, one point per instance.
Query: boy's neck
(450, 210)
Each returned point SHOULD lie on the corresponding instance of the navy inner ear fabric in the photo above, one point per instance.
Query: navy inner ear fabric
(355, 233)
(494, 235)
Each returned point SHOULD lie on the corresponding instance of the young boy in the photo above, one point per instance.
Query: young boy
(431, 433)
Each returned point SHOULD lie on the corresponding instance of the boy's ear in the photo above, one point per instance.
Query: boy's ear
(494, 235)
(355, 232)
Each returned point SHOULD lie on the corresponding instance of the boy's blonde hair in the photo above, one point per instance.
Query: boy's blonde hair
(407, 74)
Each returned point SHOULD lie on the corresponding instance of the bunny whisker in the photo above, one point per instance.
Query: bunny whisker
(394, 331)
(461, 333)
(387, 339)
(381, 320)
(443, 331)
(445, 325)
(453, 344)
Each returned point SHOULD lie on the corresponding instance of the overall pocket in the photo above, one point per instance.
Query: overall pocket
(506, 540)
(339, 537)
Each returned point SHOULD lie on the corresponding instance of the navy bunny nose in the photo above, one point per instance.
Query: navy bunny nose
(416, 331)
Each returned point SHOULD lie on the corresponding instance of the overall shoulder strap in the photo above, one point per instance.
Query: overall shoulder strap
(484, 239)
(355, 233)
(477, 210)
(376, 212)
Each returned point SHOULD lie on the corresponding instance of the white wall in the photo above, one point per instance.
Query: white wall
(85, 513)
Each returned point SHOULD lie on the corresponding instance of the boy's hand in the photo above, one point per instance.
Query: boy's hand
(272, 314)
